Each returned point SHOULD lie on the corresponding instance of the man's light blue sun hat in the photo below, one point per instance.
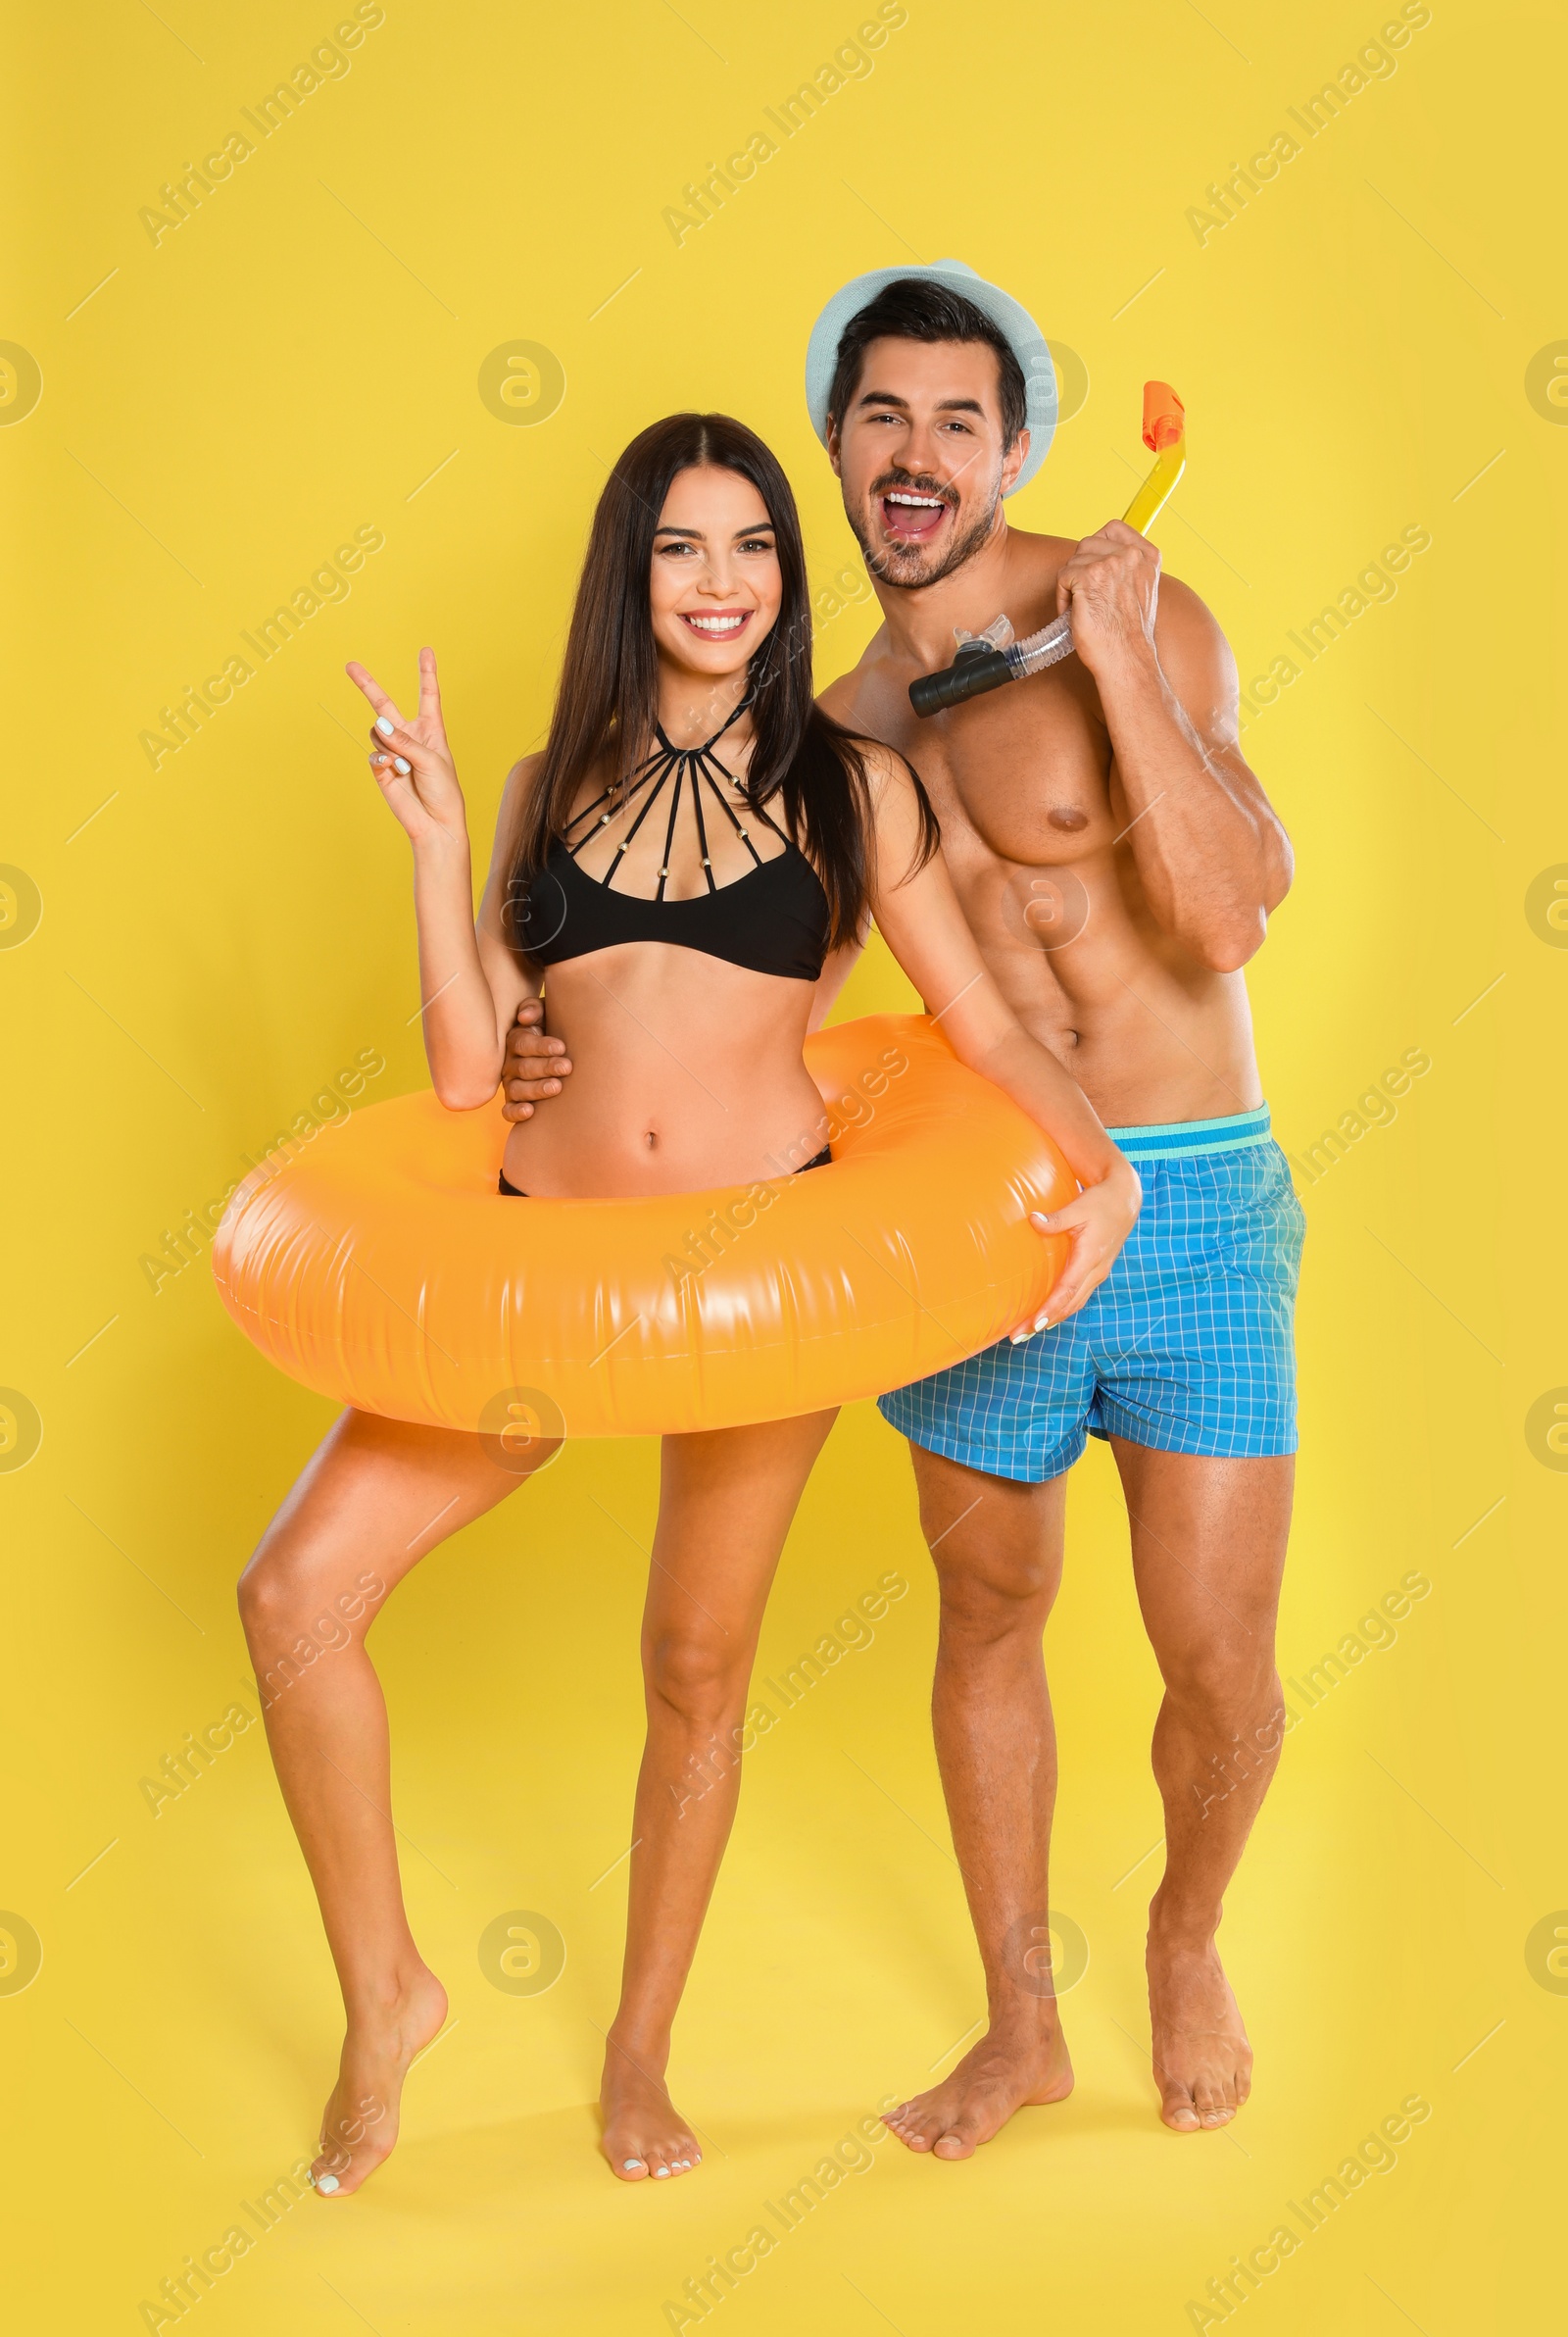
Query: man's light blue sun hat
(1023, 335)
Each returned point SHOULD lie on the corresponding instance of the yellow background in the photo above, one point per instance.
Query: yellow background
(217, 414)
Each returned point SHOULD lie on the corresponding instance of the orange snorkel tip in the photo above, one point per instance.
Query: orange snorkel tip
(1164, 417)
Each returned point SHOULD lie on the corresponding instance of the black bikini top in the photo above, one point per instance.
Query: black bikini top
(774, 919)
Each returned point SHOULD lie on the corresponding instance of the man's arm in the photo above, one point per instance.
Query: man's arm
(1210, 852)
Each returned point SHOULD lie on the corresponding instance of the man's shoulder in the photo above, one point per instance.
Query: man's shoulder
(842, 698)
(1183, 617)
(1036, 553)
(1188, 631)
(1039, 557)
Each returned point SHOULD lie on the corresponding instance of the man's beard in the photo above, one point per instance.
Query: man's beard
(904, 568)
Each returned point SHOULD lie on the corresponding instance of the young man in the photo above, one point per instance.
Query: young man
(1118, 861)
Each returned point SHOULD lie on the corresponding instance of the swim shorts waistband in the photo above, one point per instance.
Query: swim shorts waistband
(1180, 1139)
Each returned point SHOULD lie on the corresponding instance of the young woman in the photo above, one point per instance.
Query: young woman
(693, 841)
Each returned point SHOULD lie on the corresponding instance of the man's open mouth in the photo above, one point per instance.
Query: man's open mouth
(720, 625)
(911, 514)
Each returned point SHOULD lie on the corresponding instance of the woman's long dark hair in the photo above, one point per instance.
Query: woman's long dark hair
(609, 677)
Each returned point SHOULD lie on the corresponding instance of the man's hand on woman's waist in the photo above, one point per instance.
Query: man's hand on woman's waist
(534, 1065)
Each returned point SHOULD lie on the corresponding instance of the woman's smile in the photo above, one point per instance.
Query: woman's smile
(717, 625)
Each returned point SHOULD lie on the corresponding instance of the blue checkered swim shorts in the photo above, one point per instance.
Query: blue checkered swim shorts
(1187, 1345)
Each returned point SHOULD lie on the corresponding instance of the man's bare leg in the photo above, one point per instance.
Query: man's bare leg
(996, 1548)
(1209, 1551)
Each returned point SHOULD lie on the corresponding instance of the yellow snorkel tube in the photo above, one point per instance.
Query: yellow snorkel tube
(992, 658)
(1165, 436)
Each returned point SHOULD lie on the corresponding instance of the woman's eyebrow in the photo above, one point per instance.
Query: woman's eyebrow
(760, 528)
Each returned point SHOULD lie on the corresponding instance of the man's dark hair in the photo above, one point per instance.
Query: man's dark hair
(913, 310)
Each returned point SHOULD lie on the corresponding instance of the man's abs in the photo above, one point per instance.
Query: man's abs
(1035, 834)
(1149, 1036)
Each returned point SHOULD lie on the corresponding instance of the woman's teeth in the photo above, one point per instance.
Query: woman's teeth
(717, 625)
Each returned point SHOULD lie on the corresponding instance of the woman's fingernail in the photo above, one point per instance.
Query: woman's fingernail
(398, 765)
(384, 725)
(326, 2182)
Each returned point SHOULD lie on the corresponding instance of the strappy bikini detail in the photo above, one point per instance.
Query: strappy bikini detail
(693, 763)
(773, 919)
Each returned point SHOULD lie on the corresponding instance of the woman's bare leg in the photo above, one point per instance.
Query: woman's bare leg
(726, 1504)
(376, 1497)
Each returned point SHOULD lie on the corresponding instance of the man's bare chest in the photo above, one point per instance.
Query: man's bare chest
(1025, 780)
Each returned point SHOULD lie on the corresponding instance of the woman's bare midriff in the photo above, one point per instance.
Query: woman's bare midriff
(687, 1075)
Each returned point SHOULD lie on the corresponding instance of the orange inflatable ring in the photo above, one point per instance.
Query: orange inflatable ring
(381, 1267)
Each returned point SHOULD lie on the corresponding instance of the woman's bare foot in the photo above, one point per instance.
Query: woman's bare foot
(1201, 2059)
(1023, 2062)
(644, 2134)
(359, 2123)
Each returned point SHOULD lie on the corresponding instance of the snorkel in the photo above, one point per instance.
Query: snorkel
(985, 660)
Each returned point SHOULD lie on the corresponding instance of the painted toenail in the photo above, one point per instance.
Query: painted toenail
(326, 2182)
(628, 2164)
(660, 2173)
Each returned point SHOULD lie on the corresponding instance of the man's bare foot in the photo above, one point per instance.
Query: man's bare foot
(1010, 2066)
(359, 2123)
(644, 2134)
(1201, 2059)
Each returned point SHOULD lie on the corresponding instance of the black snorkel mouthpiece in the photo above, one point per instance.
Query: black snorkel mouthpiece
(977, 668)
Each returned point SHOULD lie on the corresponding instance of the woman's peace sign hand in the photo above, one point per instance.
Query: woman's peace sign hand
(411, 760)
